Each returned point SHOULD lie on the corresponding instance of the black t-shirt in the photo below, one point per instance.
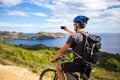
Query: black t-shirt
(76, 42)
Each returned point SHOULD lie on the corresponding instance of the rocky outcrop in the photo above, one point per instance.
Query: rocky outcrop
(46, 35)
(4, 35)
(11, 35)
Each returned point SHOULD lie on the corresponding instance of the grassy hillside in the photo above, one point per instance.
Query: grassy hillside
(36, 58)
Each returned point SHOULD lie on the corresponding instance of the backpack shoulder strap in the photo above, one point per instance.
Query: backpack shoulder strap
(85, 33)
(85, 37)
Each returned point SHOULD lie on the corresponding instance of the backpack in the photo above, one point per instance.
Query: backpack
(92, 44)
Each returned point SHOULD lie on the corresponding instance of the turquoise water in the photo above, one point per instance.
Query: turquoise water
(110, 42)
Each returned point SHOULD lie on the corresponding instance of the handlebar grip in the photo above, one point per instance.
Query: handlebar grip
(61, 58)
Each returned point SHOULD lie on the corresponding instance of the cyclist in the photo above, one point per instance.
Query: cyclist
(76, 42)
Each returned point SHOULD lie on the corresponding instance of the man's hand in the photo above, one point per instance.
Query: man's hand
(53, 60)
(60, 52)
(66, 29)
(69, 31)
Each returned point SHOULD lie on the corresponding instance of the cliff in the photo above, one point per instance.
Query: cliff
(4, 35)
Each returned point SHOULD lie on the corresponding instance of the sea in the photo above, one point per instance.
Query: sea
(110, 42)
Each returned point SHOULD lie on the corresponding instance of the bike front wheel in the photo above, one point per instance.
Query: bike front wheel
(48, 74)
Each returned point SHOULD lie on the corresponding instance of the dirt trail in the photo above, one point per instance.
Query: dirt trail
(16, 73)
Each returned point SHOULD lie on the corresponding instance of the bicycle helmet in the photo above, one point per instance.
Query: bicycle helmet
(81, 19)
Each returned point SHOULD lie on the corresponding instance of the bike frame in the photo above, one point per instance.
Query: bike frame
(68, 75)
(71, 76)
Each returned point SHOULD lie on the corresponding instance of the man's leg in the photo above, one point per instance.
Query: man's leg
(88, 71)
(60, 72)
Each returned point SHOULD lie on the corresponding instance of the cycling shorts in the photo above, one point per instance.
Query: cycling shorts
(72, 67)
(75, 67)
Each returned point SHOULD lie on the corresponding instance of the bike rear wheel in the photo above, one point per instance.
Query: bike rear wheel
(48, 74)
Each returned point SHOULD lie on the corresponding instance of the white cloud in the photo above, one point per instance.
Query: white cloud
(17, 13)
(26, 28)
(112, 2)
(95, 4)
(54, 20)
(75, 6)
(39, 14)
(13, 25)
(25, 14)
(44, 3)
(10, 2)
(101, 12)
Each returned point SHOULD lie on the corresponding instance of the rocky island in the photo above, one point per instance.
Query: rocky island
(46, 35)
(5, 35)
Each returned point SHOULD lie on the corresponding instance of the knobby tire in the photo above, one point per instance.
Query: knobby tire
(48, 74)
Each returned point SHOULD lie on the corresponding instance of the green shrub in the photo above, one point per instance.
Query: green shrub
(4, 42)
(112, 64)
(1, 50)
(12, 53)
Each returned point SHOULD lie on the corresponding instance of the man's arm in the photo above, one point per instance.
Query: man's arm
(60, 52)
(69, 31)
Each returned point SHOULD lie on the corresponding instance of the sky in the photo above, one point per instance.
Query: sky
(32, 16)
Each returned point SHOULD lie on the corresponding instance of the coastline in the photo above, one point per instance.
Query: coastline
(110, 42)
(6, 35)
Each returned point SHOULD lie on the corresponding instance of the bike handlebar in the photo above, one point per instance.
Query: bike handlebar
(61, 58)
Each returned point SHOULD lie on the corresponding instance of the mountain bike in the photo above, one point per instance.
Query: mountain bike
(50, 74)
